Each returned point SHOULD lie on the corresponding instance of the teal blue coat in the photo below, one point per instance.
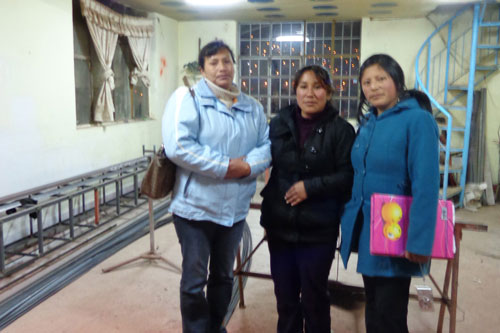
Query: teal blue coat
(394, 153)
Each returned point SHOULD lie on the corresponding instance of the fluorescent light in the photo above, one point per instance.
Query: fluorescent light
(212, 3)
(294, 38)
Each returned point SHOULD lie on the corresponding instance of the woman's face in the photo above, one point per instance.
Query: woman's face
(311, 95)
(379, 88)
(219, 69)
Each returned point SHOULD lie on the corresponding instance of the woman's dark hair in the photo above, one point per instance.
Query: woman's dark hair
(422, 99)
(388, 64)
(213, 48)
(320, 73)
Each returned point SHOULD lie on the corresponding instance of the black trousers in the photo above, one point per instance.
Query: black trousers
(386, 304)
(208, 253)
(300, 275)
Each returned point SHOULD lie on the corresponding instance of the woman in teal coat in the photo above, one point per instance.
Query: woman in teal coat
(395, 152)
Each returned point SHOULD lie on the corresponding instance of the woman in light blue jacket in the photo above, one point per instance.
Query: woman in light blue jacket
(219, 142)
(395, 152)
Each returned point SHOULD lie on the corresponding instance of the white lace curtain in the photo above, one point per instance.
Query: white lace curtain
(105, 25)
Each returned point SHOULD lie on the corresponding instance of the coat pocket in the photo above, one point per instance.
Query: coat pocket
(186, 185)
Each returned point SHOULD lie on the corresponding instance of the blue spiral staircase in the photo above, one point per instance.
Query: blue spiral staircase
(453, 62)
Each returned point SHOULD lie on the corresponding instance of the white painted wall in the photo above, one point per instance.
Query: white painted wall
(164, 72)
(39, 139)
(401, 39)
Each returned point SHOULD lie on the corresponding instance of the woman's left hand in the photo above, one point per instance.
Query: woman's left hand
(296, 194)
(420, 259)
(238, 168)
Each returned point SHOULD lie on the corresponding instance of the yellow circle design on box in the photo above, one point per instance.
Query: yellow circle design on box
(391, 212)
(392, 231)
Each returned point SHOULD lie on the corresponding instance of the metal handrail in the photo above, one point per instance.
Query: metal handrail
(431, 80)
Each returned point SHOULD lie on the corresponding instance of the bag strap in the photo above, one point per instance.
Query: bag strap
(192, 93)
(186, 83)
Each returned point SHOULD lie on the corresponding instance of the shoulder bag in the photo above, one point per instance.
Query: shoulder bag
(159, 179)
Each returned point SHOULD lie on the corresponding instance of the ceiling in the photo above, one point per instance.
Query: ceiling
(287, 10)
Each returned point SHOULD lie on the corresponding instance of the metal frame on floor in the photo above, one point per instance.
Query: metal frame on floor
(451, 278)
(30, 205)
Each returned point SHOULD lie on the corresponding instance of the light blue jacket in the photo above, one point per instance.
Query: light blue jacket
(200, 140)
(394, 153)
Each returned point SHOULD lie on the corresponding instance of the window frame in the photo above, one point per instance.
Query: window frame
(133, 96)
(257, 44)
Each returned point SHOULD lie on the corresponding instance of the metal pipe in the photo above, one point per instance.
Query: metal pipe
(428, 64)
(447, 66)
(40, 232)
(2, 251)
(83, 202)
(470, 98)
(151, 226)
(96, 206)
(59, 212)
(136, 190)
(117, 197)
(71, 226)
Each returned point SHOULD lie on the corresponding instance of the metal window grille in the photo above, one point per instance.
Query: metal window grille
(271, 53)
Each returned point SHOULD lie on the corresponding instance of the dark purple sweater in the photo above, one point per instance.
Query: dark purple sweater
(305, 126)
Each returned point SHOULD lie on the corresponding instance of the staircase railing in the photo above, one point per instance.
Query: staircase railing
(434, 79)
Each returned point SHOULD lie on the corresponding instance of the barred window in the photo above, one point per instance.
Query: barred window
(271, 53)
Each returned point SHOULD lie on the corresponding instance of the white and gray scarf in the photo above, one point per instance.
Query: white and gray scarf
(228, 97)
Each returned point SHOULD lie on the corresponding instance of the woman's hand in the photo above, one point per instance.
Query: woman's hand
(420, 259)
(296, 194)
(238, 168)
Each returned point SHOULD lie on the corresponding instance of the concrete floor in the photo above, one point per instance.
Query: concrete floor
(143, 296)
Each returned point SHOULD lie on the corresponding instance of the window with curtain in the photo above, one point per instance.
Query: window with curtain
(131, 102)
(271, 53)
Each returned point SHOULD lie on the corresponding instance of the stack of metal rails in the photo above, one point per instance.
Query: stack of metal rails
(58, 214)
(64, 229)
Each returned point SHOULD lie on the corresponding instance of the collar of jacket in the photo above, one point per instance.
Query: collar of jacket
(406, 104)
(288, 114)
(207, 97)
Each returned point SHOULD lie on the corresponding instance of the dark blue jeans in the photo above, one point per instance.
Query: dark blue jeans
(386, 308)
(300, 275)
(207, 249)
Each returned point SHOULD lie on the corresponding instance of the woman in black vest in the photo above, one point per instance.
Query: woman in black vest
(310, 181)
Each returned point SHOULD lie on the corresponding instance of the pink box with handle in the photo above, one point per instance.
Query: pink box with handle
(389, 226)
